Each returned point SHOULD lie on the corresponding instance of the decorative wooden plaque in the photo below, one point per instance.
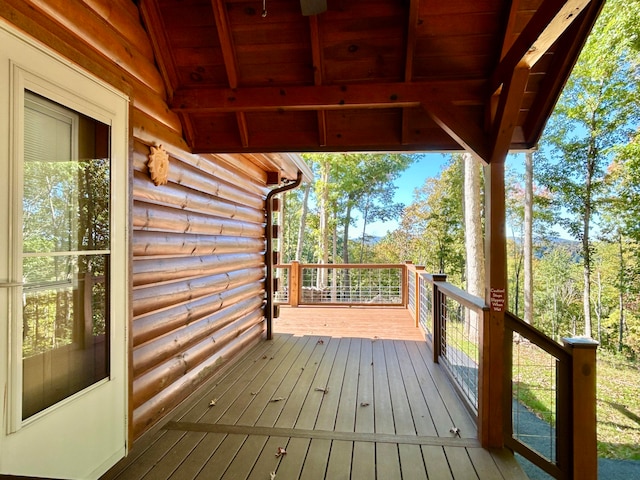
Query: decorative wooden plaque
(158, 165)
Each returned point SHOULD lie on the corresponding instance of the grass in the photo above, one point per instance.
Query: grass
(618, 398)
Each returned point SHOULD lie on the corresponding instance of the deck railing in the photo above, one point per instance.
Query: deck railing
(340, 284)
(545, 396)
(549, 389)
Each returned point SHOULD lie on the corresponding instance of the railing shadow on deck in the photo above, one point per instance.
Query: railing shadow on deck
(549, 399)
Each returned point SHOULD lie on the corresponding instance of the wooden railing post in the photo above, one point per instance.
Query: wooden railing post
(583, 407)
(416, 292)
(405, 284)
(294, 283)
(436, 311)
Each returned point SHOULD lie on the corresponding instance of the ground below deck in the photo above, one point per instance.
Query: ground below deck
(348, 393)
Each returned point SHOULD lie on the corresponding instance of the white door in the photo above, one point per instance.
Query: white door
(63, 266)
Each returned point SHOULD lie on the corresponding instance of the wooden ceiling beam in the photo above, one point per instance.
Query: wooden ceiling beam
(327, 97)
(507, 112)
(545, 27)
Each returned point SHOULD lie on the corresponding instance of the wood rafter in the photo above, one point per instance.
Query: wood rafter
(545, 27)
(414, 8)
(328, 97)
(153, 20)
(230, 60)
(316, 53)
(464, 132)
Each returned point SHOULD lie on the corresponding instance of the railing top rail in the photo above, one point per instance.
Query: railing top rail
(462, 297)
(352, 265)
(537, 337)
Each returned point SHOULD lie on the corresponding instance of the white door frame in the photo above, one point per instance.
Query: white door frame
(85, 434)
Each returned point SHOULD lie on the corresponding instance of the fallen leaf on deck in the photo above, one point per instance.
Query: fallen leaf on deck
(281, 451)
(323, 390)
(254, 393)
(277, 399)
(364, 404)
(320, 342)
(212, 403)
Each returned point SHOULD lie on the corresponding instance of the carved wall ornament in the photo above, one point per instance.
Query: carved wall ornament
(158, 165)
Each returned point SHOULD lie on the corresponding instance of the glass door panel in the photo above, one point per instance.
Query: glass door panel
(66, 251)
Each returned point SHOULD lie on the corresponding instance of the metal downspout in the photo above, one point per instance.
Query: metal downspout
(269, 253)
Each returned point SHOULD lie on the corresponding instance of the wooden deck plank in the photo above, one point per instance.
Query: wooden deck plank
(364, 407)
(363, 464)
(436, 462)
(221, 458)
(310, 407)
(402, 415)
(412, 462)
(247, 456)
(387, 461)
(460, 463)
(315, 464)
(292, 463)
(326, 418)
(267, 461)
(340, 457)
(346, 415)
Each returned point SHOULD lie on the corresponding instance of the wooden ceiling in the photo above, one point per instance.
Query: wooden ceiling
(366, 75)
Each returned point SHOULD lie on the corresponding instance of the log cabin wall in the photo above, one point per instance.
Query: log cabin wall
(197, 243)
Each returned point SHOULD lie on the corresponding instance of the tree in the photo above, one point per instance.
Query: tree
(593, 116)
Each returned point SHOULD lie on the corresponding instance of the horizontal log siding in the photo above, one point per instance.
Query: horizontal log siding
(197, 256)
(198, 276)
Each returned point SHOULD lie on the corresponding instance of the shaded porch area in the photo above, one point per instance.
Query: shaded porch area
(346, 392)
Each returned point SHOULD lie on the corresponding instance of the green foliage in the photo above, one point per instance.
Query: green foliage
(431, 231)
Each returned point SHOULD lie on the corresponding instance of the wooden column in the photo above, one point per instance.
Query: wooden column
(583, 407)
(492, 361)
(294, 284)
(436, 312)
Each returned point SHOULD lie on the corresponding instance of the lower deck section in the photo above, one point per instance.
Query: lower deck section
(359, 404)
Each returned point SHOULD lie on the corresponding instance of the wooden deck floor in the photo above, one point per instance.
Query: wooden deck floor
(344, 404)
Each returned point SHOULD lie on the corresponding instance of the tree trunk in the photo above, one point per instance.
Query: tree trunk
(621, 294)
(303, 221)
(323, 253)
(528, 238)
(473, 227)
(474, 244)
(365, 217)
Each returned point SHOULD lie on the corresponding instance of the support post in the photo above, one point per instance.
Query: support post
(294, 284)
(416, 291)
(436, 312)
(492, 357)
(583, 407)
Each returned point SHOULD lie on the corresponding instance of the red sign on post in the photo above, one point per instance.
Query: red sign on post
(497, 299)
